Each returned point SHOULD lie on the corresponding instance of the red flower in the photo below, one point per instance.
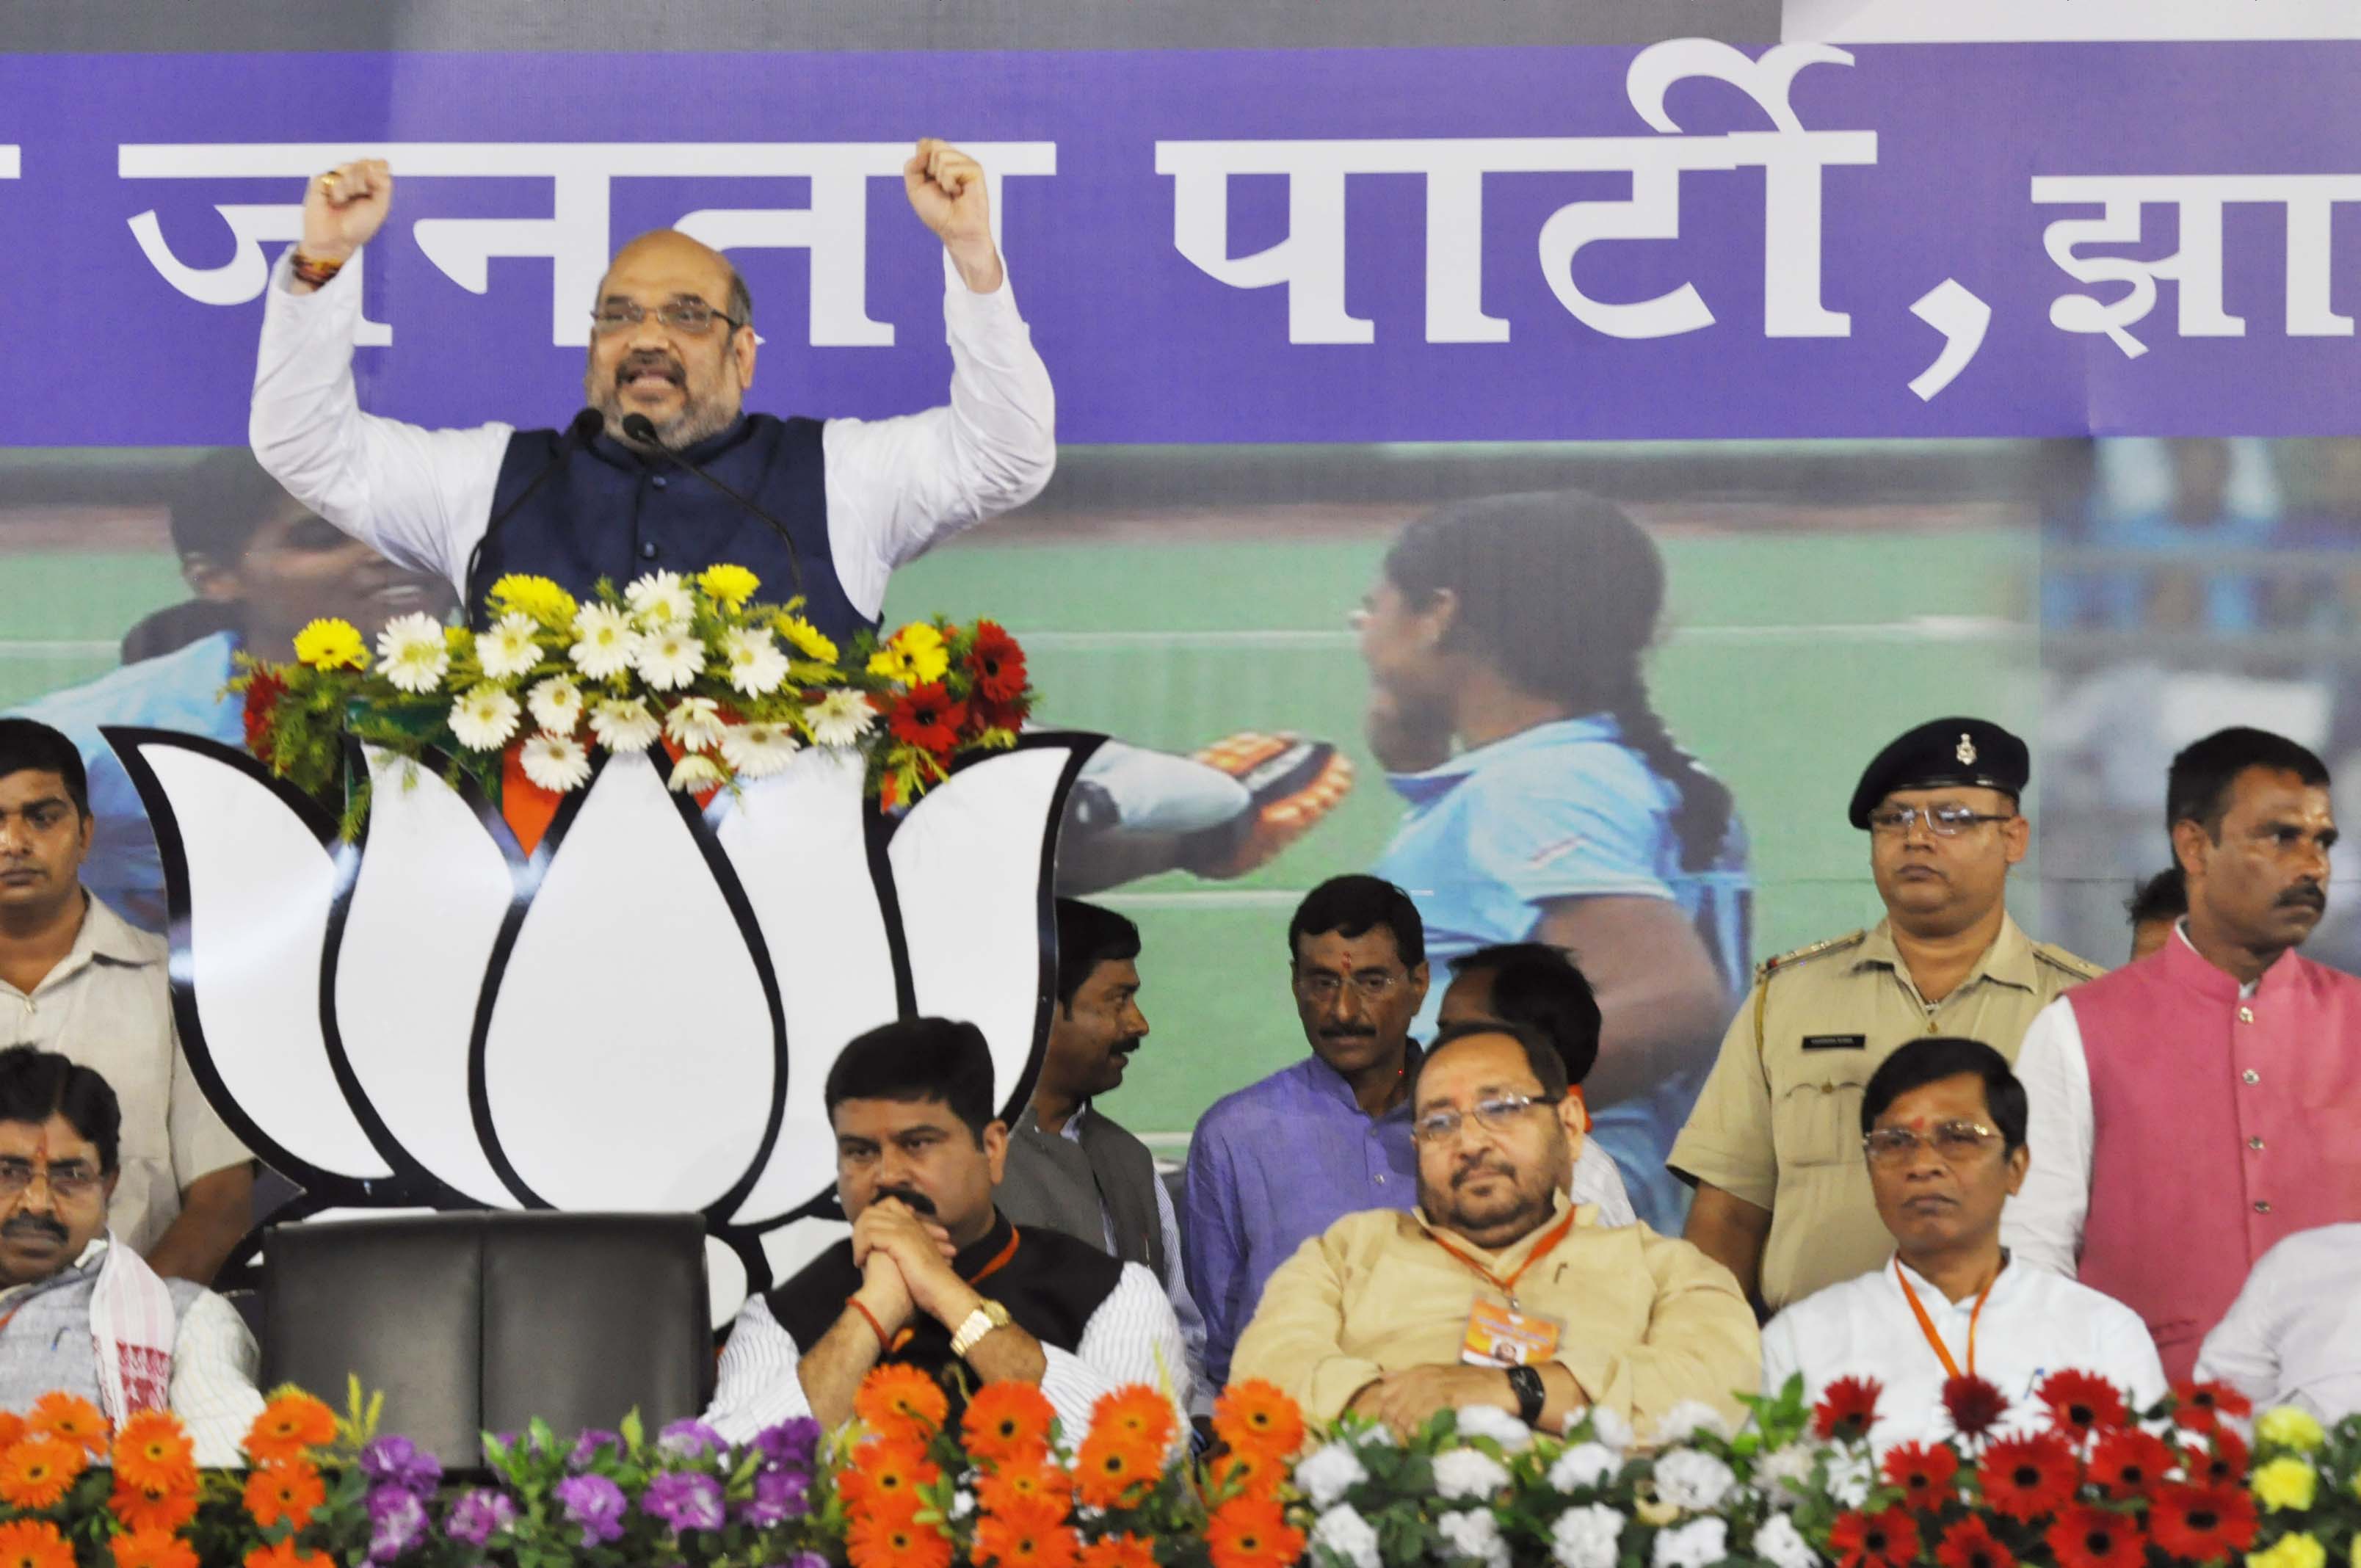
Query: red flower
(1874, 1540)
(985, 713)
(1923, 1472)
(2128, 1462)
(2027, 1477)
(2200, 1406)
(997, 662)
(1848, 1408)
(1969, 1545)
(928, 719)
(2080, 1404)
(2202, 1524)
(1975, 1406)
(262, 695)
(2223, 1464)
(2093, 1538)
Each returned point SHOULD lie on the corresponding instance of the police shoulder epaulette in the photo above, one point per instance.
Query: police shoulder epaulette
(1769, 966)
(2060, 959)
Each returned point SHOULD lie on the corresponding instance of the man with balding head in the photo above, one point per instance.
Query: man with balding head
(671, 342)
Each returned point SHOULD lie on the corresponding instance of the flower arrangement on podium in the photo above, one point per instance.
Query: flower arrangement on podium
(730, 688)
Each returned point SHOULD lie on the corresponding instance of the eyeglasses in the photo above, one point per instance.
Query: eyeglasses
(1323, 987)
(1956, 1143)
(690, 318)
(67, 1183)
(1943, 821)
(1494, 1115)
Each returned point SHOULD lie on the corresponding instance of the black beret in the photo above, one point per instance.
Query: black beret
(1946, 751)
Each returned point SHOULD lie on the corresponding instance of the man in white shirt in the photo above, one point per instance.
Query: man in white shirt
(2293, 1337)
(1943, 1132)
(836, 506)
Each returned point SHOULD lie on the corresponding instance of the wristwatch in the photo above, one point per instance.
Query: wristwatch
(1526, 1384)
(988, 1315)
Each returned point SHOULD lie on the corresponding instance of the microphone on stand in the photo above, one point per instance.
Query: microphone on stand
(641, 429)
(580, 433)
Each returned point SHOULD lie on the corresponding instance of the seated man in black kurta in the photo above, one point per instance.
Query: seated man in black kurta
(933, 1274)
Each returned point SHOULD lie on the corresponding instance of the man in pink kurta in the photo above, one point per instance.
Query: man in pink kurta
(2191, 1109)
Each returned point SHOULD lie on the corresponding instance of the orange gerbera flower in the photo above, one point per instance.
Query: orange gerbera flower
(69, 1419)
(1120, 1551)
(885, 1474)
(901, 1402)
(34, 1543)
(1252, 1532)
(12, 1430)
(153, 1452)
(291, 1490)
(892, 1538)
(1243, 1472)
(162, 1507)
(1031, 1535)
(153, 1549)
(1258, 1415)
(1138, 1414)
(1020, 1482)
(39, 1471)
(281, 1554)
(1109, 1472)
(1006, 1421)
(289, 1425)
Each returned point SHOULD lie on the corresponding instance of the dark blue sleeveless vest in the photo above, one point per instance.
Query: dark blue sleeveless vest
(611, 512)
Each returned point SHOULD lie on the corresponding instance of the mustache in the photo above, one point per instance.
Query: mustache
(1348, 1032)
(1482, 1165)
(646, 359)
(2310, 894)
(918, 1201)
(33, 1225)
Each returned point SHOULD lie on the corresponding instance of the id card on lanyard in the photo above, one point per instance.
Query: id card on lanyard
(1507, 1335)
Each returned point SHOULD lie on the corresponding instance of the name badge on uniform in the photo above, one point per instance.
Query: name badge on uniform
(1501, 1335)
(1836, 1042)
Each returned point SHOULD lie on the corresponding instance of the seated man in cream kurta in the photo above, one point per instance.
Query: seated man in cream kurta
(1496, 1290)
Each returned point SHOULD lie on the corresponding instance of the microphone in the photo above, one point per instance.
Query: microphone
(579, 435)
(641, 429)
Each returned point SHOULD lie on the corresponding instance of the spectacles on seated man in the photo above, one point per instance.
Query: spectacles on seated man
(68, 1180)
(1954, 1142)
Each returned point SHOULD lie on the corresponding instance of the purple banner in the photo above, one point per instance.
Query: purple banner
(1346, 246)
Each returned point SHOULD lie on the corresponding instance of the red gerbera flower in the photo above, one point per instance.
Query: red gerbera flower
(2093, 1538)
(2200, 1406)
(997, 662)
(262, 695)
(2222, 1463)
(1923, 1471)
(928, 719)
(1975, 1406)
(1971, 1545)
(1887, 1540)
(2128, 1462)
(2202, 1524)
(2080, 1404)
(1848, 1408)
(2029, 1478)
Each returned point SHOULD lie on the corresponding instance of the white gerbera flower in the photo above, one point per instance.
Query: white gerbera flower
(1782, 1545)
(555, 705)
(1344, 1531)
(556, 761)
(840, 717)
(695, 724)
(1850, 1475)
(511, 648)
(1588, 1537)
(758, 751)
(624, 724)
(669, 658)
(658, 599)
(1607, 1426)
(604, 642)
(1700, 1543)
(1584, 1466)
(1463, 1473)
(1330, 1472)
(757, 667)
(1692, 1481)
(692, 773)
(1686, 1419)
(485, 718)
(1488, 1421)
(1475, 1534)
(414, 654)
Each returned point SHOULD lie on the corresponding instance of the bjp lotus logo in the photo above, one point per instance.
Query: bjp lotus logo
(640, 1013)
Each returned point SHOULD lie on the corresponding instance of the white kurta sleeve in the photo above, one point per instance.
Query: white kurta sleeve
(2243, 1350)
(420, 498)
(1132, 1338)
(1782, 1356)
(758, 1386)
(215, 1363)
(1598, 1181)
(2042, 1224)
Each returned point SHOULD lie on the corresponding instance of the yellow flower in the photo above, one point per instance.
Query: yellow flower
(2286, 1482)
(2291, 1552)
(922, 645)
(890, 664)
(331, 645)
(727, 585)
(536, 597)
(2356, 1541)
(805, 639)
(2290, 1426)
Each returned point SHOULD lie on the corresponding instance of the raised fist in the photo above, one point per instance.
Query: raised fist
(345, 207)
(1293, 782)
(947, 191)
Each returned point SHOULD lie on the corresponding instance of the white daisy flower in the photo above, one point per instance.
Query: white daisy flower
(758, 751)
(1489, 1421)
(757, 667)
(1588, 1537)
(624, 724)
(695, 724)
(1687, 1419)
(1785, 1473)
(1474, 1535)
(1330, 1472)
(511, 648)
(555, 705)
(1350, 1537)
(604, 642)
(1700, 1543)
(669, 658)
(1464, 1473)
(1606, 1425)
(1693, 1482)
(556, 761)
(659, 599)
(694, 772)
(485, 718)
(1584, 1466)
(840, 717)
(414, 654)
(1782, 1545)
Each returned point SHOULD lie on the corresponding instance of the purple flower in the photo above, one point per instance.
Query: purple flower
(689, 1440)
(686, 1501)
(398, 1461)
(790, 1445)
(779, 1496)
(397, 1522)
(587, 1447)
(595, 1504)
(478, 1517)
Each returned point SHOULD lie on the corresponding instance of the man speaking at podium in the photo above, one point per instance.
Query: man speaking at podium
(836, 505)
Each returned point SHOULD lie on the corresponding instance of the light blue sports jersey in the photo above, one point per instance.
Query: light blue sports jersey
(180, 690)
(1568, 810)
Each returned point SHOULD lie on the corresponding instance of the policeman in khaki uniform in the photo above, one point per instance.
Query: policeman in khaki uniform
(1773, 1145)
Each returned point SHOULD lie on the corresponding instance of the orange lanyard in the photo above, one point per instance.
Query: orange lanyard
(1926, 1324)
(1508, 1287)
(999, 1261)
